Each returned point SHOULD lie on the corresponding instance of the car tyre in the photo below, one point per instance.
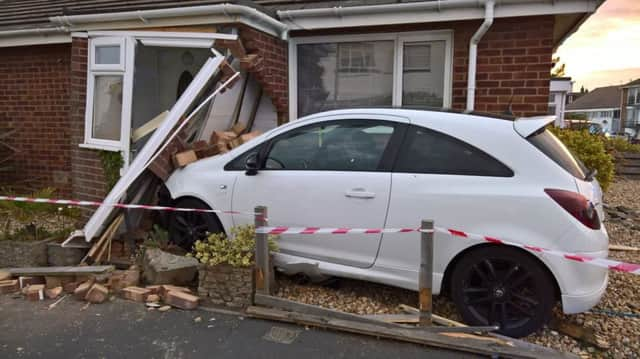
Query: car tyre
(498, 285)
(185, 228)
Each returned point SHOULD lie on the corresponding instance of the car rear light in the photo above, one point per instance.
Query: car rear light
(577, 205)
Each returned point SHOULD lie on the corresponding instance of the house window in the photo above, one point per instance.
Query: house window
(402, 69)
(105, 87)
(634, 96)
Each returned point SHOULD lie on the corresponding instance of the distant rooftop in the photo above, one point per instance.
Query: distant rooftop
(634, 83)
(602, 97)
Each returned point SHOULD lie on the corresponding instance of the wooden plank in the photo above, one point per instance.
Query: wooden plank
(436, 318)
(112, 233)
(471, 344)
(60, 271)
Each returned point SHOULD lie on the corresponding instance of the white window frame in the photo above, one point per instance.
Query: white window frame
(127, 41)
(399, 38)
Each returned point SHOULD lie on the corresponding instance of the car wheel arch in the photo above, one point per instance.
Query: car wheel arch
(446, 279)
(174, 201)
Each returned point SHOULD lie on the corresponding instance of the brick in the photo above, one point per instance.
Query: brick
(136, 294)
(181, 300)
(4, 275)
(53, 293)
(35, 292)
(153, 298)
(27, 281)
(70, 287)
(97, 294)
(165, 288)
(184, 158)
(81, 290)
(9, 286)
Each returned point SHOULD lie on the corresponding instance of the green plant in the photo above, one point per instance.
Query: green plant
(618, 145)
(112, 162)
(158, 238)
(591, 150)
(237, 251)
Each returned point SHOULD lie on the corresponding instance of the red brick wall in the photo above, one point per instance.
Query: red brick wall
(273, 74)
(86, 168)
(514, 61)
(34, 100)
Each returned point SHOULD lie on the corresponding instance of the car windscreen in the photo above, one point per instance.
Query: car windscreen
(553, 148)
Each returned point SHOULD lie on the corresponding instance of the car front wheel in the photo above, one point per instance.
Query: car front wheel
(502, 286)
(185, 228)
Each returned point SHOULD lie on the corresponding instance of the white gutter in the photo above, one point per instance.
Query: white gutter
(473, 53)
(43, 31)
(231, 12)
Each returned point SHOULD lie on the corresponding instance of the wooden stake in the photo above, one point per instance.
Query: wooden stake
(263, 285)
(425, 278)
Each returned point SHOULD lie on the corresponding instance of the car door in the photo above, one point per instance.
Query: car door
(439, 177)
(333, 173)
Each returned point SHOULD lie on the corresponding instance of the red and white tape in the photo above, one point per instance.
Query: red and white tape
(71, 202)
(600, 262)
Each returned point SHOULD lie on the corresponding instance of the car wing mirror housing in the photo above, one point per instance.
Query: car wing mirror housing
(251, 164)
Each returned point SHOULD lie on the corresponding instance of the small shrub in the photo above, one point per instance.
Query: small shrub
(591, 150)
(618, 145)
(158, 238)
(237, 251)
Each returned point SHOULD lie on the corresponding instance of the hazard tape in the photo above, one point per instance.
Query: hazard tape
(599, 262)
(71, 202)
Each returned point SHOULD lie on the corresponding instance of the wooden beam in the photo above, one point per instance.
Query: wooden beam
(471, 344)
(60, 271)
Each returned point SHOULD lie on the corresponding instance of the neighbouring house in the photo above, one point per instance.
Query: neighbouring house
(559, 89)
(81, 78)
(601, 106)
(630, 108)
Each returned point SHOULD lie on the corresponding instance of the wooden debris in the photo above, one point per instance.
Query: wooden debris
(136, 294)
(35, 292)
(436, 318)
(60, 271)
(585, 334)
(181, 300)
(394, 318)
(81, 291)
(238, 128)
(97, 294)
(618, 247)
(184, 158)
(54, 304)
(53, 293)
(26, 281)
(9, 286)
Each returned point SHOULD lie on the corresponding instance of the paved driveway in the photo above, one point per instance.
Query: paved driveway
(123, 329)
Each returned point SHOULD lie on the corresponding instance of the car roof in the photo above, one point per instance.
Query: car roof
(407, 110)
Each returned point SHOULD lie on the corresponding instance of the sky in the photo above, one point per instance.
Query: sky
(606, 48)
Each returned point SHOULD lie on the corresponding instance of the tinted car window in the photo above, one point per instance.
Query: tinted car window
(427, 151)
(238, 163)
(336, 146)
(551, 146)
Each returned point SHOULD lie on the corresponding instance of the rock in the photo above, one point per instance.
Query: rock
(160, 267)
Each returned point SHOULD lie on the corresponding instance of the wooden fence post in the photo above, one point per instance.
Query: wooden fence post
(425, 276)
(262, 270)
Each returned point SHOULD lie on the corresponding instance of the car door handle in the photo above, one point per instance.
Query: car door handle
(359, 193)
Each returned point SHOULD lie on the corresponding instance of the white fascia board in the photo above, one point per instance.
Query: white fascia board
(407, 13)
(166, 35)
(595, 109)
(35, 39)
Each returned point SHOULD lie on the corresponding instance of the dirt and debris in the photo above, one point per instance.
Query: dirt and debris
(613, 323)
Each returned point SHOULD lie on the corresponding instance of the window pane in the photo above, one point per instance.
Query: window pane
(551, 146)
(341, 75)
(107, 107)
(336, 147)
(108, 54)
(423, 74)
(426, 151)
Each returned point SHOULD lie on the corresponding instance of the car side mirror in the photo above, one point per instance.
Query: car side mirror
(251, 164)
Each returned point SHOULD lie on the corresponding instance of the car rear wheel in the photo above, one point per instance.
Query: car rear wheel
(185, 228)
(505, 287)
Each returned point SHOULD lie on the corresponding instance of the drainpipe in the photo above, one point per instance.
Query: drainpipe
(473, 53)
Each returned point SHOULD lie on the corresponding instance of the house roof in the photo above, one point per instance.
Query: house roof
(634, 83)
(602, 97)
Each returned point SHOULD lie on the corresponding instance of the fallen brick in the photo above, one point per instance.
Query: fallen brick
(70, 287)
(52, 282)
(4, 275)
(136, 294)
(35, 292)
(182, 159)
(97, 294)
(81, 291)
(9, 286)
(165, 288)
(238, 128)
(27, 281)
(152, 298)
(154, 289)
(53, 293)
(181, 300)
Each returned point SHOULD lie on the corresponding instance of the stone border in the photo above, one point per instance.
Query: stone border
(226, 285)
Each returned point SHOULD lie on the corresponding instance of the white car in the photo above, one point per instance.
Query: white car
(391, 168)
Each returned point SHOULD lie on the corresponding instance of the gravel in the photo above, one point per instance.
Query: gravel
(616, 318)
